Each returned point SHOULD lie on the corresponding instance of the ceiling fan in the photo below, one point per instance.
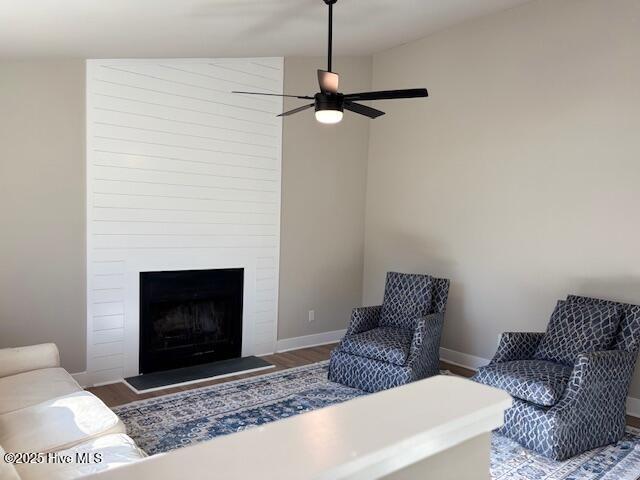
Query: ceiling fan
(329, 103)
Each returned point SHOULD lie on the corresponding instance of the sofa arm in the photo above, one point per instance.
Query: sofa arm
(517, 346)
(24, 359)
(363, 319)
(600, 377)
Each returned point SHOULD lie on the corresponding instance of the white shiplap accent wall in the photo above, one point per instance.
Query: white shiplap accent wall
(181, 174)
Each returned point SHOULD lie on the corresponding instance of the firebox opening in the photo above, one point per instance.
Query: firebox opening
(190, 317)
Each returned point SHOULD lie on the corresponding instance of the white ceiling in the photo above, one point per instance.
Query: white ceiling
(211, 28)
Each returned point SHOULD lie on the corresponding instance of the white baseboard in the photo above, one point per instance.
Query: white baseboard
(473, 363)
(462, 359)
(296, 343)
(633, 406)
(82, 378)
(86, 380)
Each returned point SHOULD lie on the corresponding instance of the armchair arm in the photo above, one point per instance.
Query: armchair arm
(24, 359)
(600, 376)
(425, 346)
(517, 346)
(363, 319)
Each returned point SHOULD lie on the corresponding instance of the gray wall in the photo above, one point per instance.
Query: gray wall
(42, 199)
(42, 207)
(519, 178)
(323, 195)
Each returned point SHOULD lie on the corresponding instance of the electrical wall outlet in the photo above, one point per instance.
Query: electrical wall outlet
(312, 315)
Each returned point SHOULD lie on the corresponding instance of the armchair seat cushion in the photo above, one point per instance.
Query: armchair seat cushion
(536, 381)
(387, 344)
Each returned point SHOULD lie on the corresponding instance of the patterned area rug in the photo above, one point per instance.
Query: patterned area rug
(173, 421)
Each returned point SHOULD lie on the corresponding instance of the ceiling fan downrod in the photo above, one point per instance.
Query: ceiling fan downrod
(330, 3)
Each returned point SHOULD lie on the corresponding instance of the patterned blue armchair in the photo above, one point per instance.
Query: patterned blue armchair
(397, 342)
(569, 385)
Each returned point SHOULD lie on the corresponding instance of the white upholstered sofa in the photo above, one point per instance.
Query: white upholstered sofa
(44, 410)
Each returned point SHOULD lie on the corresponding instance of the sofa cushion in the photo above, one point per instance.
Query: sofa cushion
(387, 344)
(407, 297)
(57, 424)
(114, 451)
(628, 336)
(575, 329)
(536, 381)
(30, 388)
(7, 470)
(24, 359)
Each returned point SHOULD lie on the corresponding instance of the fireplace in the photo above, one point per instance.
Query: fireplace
(189, 317)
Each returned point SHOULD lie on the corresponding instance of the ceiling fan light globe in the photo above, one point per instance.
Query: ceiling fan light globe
(329, 117)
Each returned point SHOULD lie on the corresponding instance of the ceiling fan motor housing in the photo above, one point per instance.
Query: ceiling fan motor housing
(329, 101)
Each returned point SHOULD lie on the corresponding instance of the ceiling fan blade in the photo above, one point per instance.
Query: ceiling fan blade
(363, 110)
(275, 95)
(388, 94)
(328, 81)
(296, 110)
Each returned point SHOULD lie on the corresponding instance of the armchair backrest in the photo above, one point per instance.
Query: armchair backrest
(440, 295)
(409, 296)
(628, 336)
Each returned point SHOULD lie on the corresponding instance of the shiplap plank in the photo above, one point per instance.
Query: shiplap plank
(265, 295)
(114, 255)
(103, 282)
(108, 322)
(146, 228)
(107, 362)
(263, 329)
(183, 241)
(264, 317)
(108, 336)
(105, 376)
(242, 187)
(108, 308)
(264, 348)
(248, 76)
(266, 262)
(244, 73)
(108, 295)
(110, 348)
(180, 203)
(108, 267)
(116, 215)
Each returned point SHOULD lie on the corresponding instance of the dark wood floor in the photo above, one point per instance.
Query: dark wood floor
(119, 394)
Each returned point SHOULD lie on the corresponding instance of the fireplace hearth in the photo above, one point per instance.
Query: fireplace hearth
(189, 317)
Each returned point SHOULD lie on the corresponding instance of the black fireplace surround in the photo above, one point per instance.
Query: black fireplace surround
(189, 317)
